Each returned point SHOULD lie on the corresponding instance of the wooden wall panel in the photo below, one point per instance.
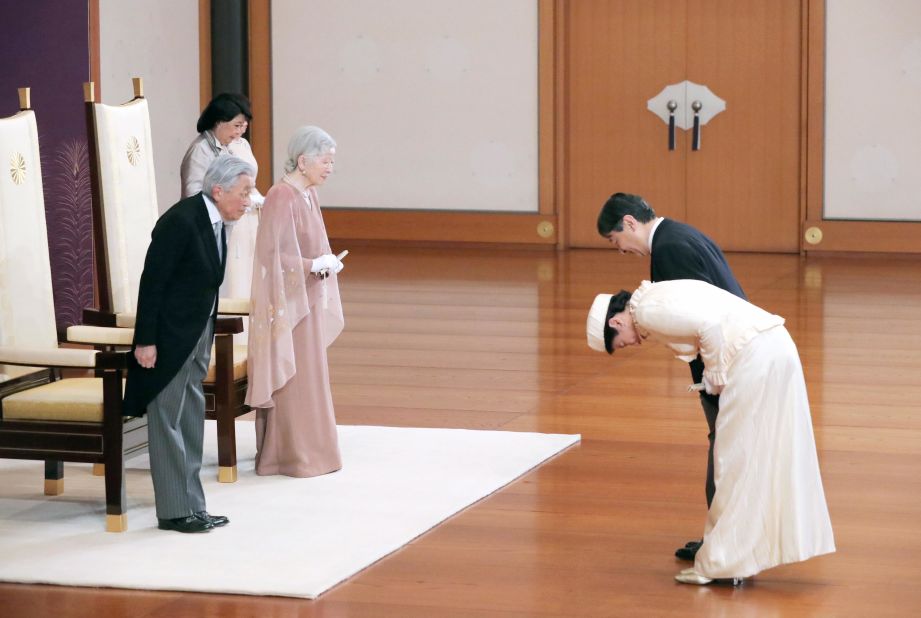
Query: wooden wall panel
(204, 51)
(439, 226)
(260, 89)
(838, 236)
(95, 61)
(370, 225)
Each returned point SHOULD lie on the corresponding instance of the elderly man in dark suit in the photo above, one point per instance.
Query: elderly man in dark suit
(677, 251)
(174, 331)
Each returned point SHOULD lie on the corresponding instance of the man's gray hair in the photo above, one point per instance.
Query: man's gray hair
(311, 142)
(224, 172)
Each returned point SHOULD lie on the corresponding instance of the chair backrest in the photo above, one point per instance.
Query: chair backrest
(26, 297)
(124, 196)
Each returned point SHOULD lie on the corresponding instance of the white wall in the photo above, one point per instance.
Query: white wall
(157, 41)
(433, 102)
(873, 110)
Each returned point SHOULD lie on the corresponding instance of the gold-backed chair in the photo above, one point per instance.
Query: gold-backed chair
(125, 210)
(71, 419)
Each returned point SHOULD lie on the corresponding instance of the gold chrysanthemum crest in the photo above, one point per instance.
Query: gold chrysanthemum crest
(18, 168)
(134, 151)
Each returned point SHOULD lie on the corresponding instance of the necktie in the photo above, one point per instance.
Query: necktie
(219, 238)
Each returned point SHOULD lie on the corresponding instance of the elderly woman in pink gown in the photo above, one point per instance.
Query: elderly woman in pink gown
(295, 314)
(769, 507)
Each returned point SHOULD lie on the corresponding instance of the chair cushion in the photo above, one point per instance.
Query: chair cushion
(71, 399)
(239, 364)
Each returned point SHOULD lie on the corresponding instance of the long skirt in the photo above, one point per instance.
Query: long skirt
(298, 436)
(238, 274)
(769, 507)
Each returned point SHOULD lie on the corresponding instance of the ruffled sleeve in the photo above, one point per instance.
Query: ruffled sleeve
(720, 342)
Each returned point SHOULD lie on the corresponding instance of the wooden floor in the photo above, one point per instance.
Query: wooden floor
(495, 340)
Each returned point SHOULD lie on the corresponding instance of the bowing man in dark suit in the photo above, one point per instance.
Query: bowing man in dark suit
(677, 251)
(174, 331)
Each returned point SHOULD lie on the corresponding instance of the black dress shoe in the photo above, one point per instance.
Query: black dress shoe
(185, 524)
(215, 520)
(689, 551)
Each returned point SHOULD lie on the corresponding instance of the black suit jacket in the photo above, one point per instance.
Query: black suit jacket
(176, 298)
(679, 251)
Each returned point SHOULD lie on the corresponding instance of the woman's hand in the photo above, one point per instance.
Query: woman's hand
(706, 386)
(328, 262)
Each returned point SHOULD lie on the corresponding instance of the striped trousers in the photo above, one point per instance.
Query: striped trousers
(176, 431)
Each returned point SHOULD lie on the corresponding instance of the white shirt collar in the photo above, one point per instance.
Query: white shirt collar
(213, 213)
(652, 230)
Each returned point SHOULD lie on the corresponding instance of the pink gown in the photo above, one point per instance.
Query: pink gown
(293, 318)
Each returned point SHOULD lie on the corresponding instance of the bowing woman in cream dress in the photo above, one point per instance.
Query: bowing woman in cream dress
(769, 507)
(221, 127)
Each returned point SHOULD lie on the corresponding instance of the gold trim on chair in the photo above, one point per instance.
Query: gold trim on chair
(18, 168)
(227, 474)
(117, 523)
(133, 151)
(54, 487)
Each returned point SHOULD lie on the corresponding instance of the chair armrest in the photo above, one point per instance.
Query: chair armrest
(233, 306)
(125, 320)
(100, 335)
(228, 326)
(112, 360)
(48, 357)
(95, 317)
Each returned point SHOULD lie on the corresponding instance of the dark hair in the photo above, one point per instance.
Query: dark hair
(618, 303)
(611, 217)
(223, 108)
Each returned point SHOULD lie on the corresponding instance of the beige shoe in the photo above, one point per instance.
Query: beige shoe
(690, 576)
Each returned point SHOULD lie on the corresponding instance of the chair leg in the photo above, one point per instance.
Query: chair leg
(113, 452)
(54, 477)
(226, 447)
(116, 496)
(225, 405)
(116, 503)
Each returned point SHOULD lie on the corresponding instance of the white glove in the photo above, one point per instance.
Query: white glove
(328, 262)
(705, 385)
(339, 266)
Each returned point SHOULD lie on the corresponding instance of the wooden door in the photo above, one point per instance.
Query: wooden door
(620, 54)
(743, 186)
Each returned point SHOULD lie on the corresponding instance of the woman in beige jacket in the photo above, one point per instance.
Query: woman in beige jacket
(220, 131)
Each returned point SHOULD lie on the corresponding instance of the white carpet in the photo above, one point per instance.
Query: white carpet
(287, 537)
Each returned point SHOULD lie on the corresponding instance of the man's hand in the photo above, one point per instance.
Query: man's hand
(146, 356)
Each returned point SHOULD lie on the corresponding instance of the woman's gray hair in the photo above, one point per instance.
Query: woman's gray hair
(311, 142)
(224, 172)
